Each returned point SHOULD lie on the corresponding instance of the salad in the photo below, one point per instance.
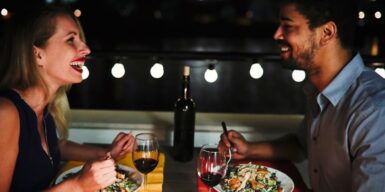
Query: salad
(123, 182)
(251, 178)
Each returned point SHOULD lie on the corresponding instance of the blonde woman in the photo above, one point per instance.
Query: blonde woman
(42, 55)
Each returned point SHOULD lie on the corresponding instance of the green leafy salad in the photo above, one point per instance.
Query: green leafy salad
(251, 178)
(123, 182)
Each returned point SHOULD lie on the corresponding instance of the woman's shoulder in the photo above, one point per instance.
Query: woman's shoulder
(8, 111)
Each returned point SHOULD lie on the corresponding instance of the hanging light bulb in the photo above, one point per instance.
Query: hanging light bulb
(361, 15)
(4, 12)
(298, 75)
(157, 70)
(85, 73)
(256, 71)
(77, 13)
(378, 15)
(211, 74)
(118, 70)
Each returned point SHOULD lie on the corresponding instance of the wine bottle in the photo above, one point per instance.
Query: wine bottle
(184, 122)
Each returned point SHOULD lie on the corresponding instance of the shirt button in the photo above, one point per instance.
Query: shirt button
(315, 170)
(314, 138)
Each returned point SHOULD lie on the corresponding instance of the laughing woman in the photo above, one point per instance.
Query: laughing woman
(41, 56)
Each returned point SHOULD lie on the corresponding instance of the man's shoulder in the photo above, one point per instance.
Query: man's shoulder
(368, 92)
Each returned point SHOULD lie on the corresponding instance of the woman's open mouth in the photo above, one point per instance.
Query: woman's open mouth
(78, 66)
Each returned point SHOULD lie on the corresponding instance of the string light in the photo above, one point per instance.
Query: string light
(85, 73)
(4, 12)
(298, 75)
(256, 71)
(157, 70)
(211, 74)
(377, 15)
(77, 13)
(361, 15)
(118, 70)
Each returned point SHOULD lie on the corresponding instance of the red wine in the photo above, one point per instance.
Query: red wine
(211, 179)
(184, 122)
(145, 165)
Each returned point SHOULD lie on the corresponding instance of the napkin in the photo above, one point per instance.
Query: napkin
(154, 178)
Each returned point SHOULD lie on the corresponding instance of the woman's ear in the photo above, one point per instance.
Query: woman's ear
(329, 32)
(38, 53)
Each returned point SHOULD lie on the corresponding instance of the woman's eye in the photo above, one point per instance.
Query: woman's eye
(70, 40)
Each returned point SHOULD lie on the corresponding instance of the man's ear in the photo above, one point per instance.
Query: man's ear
(38, 53)
(329, 32)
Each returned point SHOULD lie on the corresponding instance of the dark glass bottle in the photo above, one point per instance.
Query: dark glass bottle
(184, 122)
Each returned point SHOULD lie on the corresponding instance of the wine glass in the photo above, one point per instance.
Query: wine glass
(211, 165)
(145, 154)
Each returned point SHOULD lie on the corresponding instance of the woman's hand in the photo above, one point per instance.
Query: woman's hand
(96, 175)
(238, 144)
(121, 145)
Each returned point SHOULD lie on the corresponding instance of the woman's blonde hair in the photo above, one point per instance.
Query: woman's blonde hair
(18, 68)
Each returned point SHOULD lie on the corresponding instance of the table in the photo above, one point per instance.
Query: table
(182, 177)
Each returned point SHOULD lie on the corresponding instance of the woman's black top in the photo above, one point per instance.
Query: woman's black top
(34, 170)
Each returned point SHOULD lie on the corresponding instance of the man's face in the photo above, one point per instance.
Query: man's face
(297, 41)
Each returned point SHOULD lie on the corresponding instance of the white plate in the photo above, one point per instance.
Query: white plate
(286, 182)
(138, 177)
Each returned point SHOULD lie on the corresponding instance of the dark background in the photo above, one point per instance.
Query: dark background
(231, 34)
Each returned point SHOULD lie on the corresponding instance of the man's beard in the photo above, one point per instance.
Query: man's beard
(305, 60)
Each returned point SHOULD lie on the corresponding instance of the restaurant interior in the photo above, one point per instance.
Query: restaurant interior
(139, 48)
(230, 38)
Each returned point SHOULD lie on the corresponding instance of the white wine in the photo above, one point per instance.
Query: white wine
(184, 122)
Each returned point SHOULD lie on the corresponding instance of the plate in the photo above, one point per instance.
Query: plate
(138, 177)
(286, 182)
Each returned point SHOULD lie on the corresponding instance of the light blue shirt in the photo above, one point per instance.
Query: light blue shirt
(345, 131)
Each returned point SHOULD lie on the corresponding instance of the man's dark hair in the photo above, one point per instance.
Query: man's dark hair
(341, 12)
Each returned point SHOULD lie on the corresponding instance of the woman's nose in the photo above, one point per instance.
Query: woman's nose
(84, 49)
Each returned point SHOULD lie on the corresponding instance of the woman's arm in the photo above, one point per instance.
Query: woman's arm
(70, 150)
(120, 146)
(93, 177)
(9, 142)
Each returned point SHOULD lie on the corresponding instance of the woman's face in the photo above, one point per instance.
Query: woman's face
(60, 61)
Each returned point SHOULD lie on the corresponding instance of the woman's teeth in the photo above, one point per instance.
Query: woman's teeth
(77, 66)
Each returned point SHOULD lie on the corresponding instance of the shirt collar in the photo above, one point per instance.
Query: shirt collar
(339, 85)
(344, 79)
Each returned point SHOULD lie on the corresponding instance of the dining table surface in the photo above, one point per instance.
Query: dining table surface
(182, 176)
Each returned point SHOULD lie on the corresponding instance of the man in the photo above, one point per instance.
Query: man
(344, 127)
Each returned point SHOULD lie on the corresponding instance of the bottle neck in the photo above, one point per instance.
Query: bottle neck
(186, 87)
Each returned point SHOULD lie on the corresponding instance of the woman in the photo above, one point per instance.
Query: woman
(42, 56)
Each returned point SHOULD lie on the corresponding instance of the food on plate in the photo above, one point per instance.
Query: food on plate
(250, 178)
(125, 181)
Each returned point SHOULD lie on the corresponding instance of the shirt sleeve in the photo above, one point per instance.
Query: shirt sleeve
(367, 149)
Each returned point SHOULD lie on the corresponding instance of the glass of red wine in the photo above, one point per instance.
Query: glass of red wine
(145, 154)
(211, 165)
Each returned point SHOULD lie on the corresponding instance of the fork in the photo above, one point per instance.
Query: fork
(226, 134)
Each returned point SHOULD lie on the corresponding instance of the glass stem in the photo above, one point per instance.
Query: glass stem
(145, 182)
(210, 189)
